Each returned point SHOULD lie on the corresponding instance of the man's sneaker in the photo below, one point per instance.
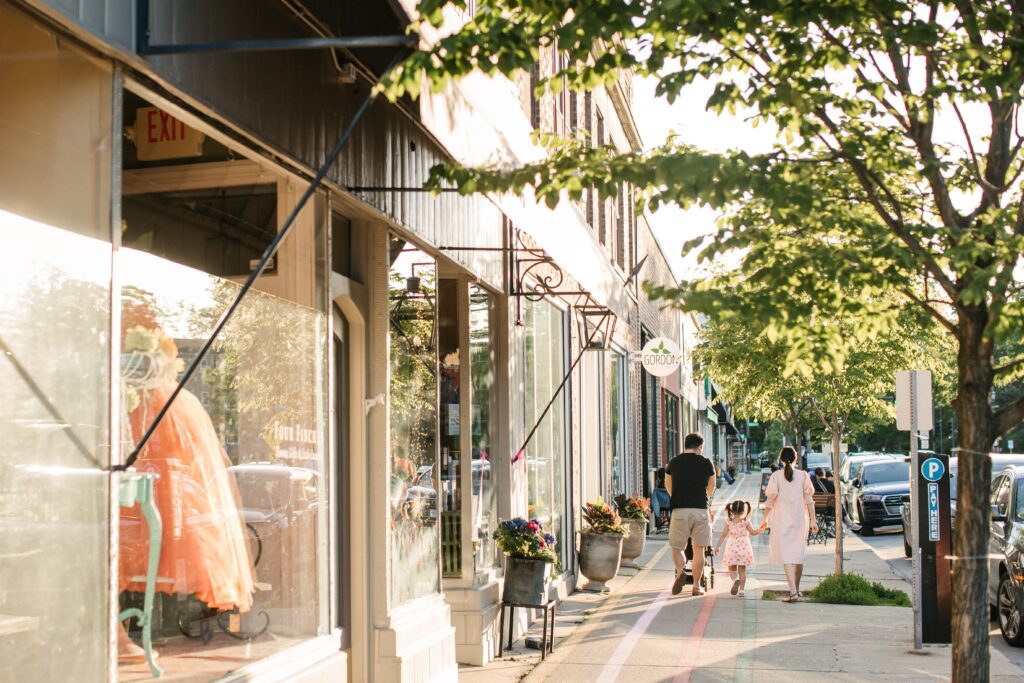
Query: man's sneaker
(677, 585)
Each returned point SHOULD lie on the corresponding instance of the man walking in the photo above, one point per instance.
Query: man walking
(690, 482)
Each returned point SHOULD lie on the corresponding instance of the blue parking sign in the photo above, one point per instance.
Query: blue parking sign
(932, 469)
(933, 511)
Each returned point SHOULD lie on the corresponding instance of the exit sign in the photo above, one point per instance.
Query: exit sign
(158, 136)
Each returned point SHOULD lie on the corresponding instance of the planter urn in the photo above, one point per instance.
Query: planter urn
(600, 555)
(633, 545)
(526, 581)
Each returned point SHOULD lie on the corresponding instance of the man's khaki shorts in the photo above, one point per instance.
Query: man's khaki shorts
(689, 523)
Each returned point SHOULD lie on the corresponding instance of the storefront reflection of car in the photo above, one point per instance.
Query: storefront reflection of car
(1006, 554)
(423, 490)
(1000, 461)
(277, 494)
(879, 494)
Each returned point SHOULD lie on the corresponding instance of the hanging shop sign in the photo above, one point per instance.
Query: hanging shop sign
(159, 136)
(661, 357)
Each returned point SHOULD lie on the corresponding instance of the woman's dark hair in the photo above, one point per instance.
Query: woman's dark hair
(788, 456)
(737, 508)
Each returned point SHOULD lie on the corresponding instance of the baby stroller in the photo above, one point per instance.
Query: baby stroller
(707, 581)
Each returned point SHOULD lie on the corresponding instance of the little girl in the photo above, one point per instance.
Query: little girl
(739, 554)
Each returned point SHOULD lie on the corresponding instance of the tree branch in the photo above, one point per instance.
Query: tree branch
(1009, 416)
(1008, 365)
(926, 305)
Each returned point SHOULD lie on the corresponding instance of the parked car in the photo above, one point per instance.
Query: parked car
(1000, 461)
(851, 469)
(822, 460)
(1006, 554)
(879, 493)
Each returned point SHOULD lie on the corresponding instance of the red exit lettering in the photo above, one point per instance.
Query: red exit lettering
(162, 127)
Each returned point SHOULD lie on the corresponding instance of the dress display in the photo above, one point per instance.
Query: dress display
(204, 550)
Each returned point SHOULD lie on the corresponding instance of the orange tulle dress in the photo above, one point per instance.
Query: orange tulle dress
(204, 550)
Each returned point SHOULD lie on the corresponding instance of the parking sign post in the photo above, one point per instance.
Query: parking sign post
(929, 514)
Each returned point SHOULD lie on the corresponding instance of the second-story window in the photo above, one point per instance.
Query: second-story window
(620, 226)
(602, 209)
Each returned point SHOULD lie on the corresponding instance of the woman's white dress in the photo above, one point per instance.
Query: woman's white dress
(788, 500)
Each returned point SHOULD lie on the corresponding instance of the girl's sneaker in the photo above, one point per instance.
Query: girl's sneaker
(735, 586)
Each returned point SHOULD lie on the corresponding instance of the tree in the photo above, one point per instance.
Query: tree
(756, 376)
(860, 92)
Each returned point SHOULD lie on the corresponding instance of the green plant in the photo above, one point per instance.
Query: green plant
(768, 595)
(526, 540)
(633, 507)
(601, 519)
(853, 589)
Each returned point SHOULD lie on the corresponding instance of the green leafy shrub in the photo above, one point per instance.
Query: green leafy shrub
(633, 507)
(601, 519)
(853, 589)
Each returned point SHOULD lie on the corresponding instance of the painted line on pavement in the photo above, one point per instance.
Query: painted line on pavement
(612, 668)
(696, 634)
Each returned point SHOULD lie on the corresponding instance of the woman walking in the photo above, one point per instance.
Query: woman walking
(790, 505)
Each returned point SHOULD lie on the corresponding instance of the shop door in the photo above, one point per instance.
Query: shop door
(592, 433)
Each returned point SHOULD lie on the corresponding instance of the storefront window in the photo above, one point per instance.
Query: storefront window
(617, 406)
(240, 455)
(546, 452)
(449, 427)
(482, 363)
(671, 425)
(412, 304)
(55, 303)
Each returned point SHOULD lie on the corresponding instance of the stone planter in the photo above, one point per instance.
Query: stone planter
(600, 555)
(526, 581)
(633, 545)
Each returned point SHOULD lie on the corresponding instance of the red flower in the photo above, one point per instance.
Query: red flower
(533, 526)
(543, 544)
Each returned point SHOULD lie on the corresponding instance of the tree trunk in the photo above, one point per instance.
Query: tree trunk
(970, 539)
(837, 439)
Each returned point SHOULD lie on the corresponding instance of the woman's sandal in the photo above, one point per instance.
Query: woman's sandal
(792, 597)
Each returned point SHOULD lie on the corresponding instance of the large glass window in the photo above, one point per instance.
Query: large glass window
(482, 364)
(546, 452)
(617, 407)
(671, 419)
(55, 304)
(449, 427)
(412, 304)
(240, 455)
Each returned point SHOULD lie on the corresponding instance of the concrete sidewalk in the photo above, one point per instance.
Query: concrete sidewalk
(641, 633)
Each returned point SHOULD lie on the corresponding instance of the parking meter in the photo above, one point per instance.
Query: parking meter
(934, 536)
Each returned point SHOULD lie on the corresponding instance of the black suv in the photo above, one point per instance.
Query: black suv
(879, 494)
(1006, 554)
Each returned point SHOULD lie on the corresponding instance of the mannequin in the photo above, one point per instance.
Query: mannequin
(203, 549)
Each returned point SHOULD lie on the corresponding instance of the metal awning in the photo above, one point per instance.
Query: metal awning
(480, 122)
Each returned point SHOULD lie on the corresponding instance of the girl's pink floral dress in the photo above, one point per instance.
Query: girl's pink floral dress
(738, 550)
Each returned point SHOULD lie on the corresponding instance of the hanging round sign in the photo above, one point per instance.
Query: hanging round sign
(661, 357)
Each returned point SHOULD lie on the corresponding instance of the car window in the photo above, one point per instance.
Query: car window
(880, 472)
(1018, 498)
(1001, 494)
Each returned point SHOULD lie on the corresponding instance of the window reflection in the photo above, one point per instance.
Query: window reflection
(545, 454)
(481, 353)
(412, 304)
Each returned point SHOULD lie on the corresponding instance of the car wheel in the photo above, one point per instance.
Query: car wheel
(907, 550)
(1010, 623)
(866, 530)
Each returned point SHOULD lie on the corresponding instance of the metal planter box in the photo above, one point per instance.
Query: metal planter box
(526, 581)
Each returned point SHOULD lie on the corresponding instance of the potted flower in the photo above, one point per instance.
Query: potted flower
(529, 556)
(600, 544)
(635, 511)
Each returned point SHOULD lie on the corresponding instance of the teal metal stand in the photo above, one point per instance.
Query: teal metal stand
(137, 487)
